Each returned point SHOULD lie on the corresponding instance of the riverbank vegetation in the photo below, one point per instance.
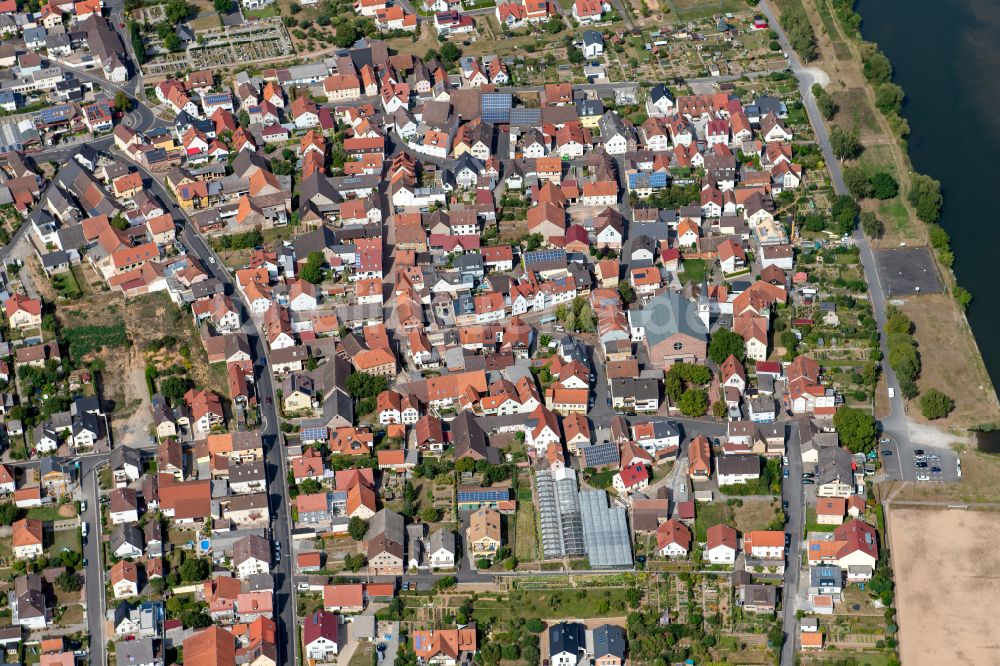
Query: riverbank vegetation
(897, 206)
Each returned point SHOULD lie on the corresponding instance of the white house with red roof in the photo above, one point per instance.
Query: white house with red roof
(631, 479)
(722, 544)
(673, 539)
(321, 635)
(23, 312)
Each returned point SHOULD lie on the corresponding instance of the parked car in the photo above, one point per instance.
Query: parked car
(807, 482)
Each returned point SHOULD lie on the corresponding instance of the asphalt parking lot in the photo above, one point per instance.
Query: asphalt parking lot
(907, 271)
(901, 462)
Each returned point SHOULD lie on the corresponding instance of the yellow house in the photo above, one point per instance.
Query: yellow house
(483, 534)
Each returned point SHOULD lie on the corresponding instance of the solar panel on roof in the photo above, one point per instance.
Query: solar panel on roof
(525, 117)
(484, 495)
(313, 434)
(496, 107)
(540, 256)
(605, 453)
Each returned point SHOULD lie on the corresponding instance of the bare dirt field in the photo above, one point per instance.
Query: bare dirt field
(947, 573)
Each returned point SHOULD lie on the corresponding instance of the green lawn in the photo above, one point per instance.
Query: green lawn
(602, 479)
(893, 214)
(45, 513)
(65, 284)
(707, 514)
(69, 539)
(813, 526)
(266, 12)
(694, 270)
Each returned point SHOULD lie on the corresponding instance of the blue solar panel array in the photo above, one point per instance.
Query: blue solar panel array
(525, 117)
(542, 256)
(484, 495)
(496, 107)
(605, 453)
(313, 434)
(656, 179)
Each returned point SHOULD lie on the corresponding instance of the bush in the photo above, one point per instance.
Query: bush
(83, 340)
(935, 405)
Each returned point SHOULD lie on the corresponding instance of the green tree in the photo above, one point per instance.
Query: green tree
(824, 102)
(223, 6)
(69, 581)
(856, 428)
(925, 197)
(122, 103)
(876, 66)
(178, 11)
(693, 402)
(724, 343)
(174, 387)
(889, 98)
(449, 54)
(935, 405)
(430, 514)
(884, 186)
(355, 561)
(357, 528)
(310, 487)
(313, 270)
(626, 292)
(857, 181)
(844, 212)
(365, 385)
(897, 322)
(871, 225)
(962, 296)
(445, 583)
(845, 144)
(346, 35)
(194, 569)
(719, 409)
(172, 42)
(575, 55)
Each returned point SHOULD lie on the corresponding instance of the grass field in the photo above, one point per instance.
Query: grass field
(951, 361)
(855, 113)
(549, 604)
(878, 157)
(363, 655)
(894, 216)
(753, 515)
(526, 540)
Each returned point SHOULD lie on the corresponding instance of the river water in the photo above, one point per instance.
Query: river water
(946, 56)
